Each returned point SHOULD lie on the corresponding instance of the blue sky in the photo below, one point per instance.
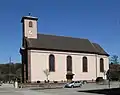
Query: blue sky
(97, 20)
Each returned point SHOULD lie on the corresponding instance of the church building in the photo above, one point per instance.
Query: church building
(62, 56)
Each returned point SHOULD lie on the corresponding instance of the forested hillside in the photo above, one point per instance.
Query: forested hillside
(11, 71)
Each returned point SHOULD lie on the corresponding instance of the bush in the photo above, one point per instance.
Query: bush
(55, 81)
(99, 79)
(38, 81)
(48, 81)
(45, 81)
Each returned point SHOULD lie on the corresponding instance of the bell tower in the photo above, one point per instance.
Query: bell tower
(29, 25)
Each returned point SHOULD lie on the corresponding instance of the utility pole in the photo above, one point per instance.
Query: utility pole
(9, 68)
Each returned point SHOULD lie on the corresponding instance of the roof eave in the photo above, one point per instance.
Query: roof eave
(32, 48)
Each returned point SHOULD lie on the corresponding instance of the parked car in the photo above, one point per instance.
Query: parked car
(0, 83)
(74, 84)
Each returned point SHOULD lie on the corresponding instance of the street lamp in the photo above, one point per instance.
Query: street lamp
(108, 75)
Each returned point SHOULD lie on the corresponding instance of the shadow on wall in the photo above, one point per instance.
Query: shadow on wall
(112, 91)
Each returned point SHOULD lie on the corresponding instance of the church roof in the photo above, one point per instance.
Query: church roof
(67, 44)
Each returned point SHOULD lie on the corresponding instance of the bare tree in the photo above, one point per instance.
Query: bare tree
(114, 59)
(47, 73)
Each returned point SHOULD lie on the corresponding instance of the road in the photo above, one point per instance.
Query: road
(8, 89)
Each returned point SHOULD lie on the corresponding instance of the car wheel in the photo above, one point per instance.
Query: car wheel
(80, 85)
(84, 82)
(72, 86)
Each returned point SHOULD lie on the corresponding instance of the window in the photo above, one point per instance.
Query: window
(101, 65)
(85, 67)
(30, 24)
(51, 63)
(76, 82)
(69, 63)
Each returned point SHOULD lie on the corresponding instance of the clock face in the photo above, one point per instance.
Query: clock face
(30, 32)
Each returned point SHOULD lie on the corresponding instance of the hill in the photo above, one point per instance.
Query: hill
(10, 72)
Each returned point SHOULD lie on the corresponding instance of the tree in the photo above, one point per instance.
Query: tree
(10, 71)
(114, 59)
(47, 73)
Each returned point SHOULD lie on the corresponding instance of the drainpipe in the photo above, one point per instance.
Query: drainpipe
(96, 65)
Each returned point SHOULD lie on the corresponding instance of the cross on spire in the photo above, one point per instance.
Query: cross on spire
(29, 14)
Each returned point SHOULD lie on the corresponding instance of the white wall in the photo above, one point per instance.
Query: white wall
(106, 65)
(40, 62)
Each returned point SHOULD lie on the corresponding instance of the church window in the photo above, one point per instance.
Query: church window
(30, 24)
(69, 63)
(51, 63)
(85, 64)
(101, 65)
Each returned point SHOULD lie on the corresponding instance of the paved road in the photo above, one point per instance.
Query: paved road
(75, 91)
(8, 89)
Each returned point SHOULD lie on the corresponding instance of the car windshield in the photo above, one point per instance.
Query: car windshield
(72, 82)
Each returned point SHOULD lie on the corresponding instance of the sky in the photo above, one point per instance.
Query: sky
(96, 20)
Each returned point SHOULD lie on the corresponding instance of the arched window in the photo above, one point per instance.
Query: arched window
(30, 24)
(69, 63)
(51, 63)
(101, 65)
(85, 64)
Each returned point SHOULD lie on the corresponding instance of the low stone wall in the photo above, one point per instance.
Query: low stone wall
(50, 84)
(42, 85)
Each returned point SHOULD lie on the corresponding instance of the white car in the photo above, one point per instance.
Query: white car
(74, 84)
(0, 84)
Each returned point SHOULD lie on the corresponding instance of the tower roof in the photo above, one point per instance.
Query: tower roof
(29, 17)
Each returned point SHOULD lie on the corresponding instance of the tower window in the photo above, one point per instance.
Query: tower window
(30, 24)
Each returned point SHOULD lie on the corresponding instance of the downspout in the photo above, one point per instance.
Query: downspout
(96, 65)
